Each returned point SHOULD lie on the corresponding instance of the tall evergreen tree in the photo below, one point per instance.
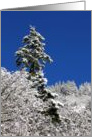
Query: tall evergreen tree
(33, 57)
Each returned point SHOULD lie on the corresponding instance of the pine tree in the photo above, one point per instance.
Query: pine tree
(32, 56)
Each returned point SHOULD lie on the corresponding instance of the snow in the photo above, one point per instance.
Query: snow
(21, 110)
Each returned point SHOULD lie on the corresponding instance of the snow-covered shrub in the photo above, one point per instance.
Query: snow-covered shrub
(22, 112)
(66, 88)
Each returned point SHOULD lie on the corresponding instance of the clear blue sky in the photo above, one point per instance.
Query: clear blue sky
(68, 39)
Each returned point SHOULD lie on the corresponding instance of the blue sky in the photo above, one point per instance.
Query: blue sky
(68, 41)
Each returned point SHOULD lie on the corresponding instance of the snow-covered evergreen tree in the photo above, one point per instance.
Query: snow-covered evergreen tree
(33, 57)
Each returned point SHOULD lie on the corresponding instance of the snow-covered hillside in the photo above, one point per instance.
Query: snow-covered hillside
(21, 110)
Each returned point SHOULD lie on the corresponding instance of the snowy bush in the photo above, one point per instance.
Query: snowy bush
(22, 112)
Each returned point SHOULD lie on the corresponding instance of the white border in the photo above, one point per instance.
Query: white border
(4, 4)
